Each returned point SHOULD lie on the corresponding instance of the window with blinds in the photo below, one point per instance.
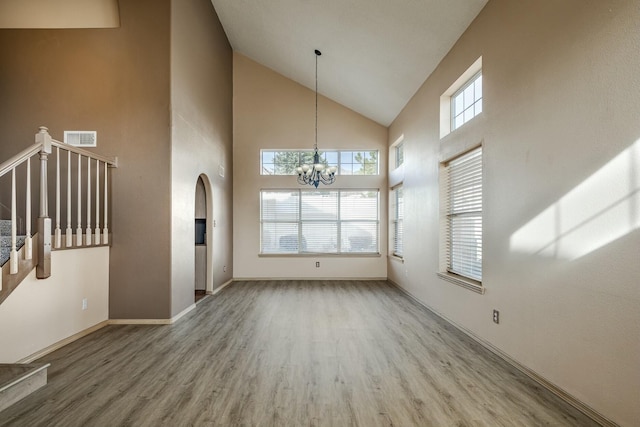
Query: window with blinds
(398, 217)
(326, 222)
(463, 210)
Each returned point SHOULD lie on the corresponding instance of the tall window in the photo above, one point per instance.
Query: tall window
(309, 221)
(466, 103)
(398, 217)
(399, 154)
(285, 162)
(462, 198)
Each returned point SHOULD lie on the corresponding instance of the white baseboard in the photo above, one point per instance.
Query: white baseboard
(174, 319)
(221, 287)
(62, 343)
(355, 279)
(559, 392)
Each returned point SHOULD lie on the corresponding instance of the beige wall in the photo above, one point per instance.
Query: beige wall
(273, 112)
(561, 142)
(59, 14)
(201, 119)
(115, 81)
(40, 313)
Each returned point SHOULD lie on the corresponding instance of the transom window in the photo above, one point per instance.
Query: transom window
(466, 103)
(399, 154)
(319, 221)
(285, 162)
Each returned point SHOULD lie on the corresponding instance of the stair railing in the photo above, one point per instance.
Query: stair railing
(98, 236)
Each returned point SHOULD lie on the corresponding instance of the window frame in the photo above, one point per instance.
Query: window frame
(454, 114)
(446, 97)
(398, 218)
(399, 150)
(300, 222)
(340, 163)
(467, 195)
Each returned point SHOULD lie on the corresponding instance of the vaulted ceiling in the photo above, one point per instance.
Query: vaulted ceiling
(375, 53)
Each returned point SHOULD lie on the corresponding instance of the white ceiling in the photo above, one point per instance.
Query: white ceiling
(375, 53)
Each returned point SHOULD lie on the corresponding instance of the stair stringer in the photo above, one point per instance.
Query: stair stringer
(11, 281)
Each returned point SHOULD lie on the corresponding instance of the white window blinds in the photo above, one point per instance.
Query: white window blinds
(463, 200)
(297, 221)
(398, 218)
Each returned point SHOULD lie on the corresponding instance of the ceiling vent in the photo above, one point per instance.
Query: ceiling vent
(81, 138)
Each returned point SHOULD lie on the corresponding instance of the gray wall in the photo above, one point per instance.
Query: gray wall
(115, 81)
(201, 119)
(561, 139)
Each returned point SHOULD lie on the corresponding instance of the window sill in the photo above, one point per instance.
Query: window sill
(396, 258)
(321, 255)
(464, 282)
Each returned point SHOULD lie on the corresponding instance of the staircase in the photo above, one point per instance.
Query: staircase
(5, 241)
(17, 381)
(89, 215)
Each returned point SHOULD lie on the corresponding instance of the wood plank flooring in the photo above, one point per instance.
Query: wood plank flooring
(289, 353)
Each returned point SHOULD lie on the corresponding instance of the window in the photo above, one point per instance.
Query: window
(398, 217)
(461, 184)
(325, 222)
(462, 101)
(466, 103)
(285, 162)
(399, 154)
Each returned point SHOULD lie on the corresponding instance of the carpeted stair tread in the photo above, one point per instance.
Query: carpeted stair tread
(5, 241)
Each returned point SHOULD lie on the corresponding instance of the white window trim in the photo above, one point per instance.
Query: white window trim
(393, 161)
(338, 164)
(453, 116)
(394, 222)
(443, 273)
(339, 221)
(445, 98)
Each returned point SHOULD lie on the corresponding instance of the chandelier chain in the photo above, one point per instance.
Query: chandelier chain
(319, 171)
(316, 140)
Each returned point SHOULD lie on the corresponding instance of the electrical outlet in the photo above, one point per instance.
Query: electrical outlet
(317, 264)
(496, 316)
(84, 303)
(224, 268)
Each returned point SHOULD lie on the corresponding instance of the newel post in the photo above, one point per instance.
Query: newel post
(43, 269)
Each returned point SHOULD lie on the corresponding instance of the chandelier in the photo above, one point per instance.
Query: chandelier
(317, 172)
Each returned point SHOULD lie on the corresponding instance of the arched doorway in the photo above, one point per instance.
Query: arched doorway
(203, 213)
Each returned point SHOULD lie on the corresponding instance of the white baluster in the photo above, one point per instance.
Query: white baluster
(79, 229)
(88, 234)
(57, 233)
(97, 232)
(105, 230)
(28, 241)
(68, 232)
(13, 263)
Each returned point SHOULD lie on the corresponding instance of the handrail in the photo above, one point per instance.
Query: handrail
(113, 161)
(19, 158)
(43, 147)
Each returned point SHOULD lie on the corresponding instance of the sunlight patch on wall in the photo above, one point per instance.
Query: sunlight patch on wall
(600, 210)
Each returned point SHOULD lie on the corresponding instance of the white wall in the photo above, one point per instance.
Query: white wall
(40, 313)
(273, 112)
(561, 135)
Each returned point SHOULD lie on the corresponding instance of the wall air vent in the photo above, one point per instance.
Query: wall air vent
(81, 138)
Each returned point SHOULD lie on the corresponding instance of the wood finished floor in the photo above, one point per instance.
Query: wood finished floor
(289, 353)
